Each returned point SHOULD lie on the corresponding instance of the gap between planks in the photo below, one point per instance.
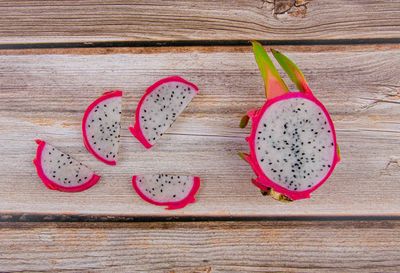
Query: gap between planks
(199, 43)
(6, 217)
(201, 49)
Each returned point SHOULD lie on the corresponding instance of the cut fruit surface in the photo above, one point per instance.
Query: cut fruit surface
(59, 171)
(293, 145)
(101, 127)
(172, 191)
(160, 106)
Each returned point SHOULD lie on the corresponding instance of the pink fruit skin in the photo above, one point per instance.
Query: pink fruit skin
(171, 205)
(135, 130)
(106, 95)
(50, 184)
(263, 182)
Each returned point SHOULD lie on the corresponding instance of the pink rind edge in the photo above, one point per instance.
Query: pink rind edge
(262, 179)
(190, 198)
(54, 186)
(135, 130)
(106, 95)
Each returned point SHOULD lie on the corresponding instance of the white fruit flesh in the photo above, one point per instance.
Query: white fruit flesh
(165, 188)
(103, 128)
(161, 108)
(62, 169)
(294, 144)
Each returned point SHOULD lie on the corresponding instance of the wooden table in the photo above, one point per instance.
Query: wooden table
(55, 57)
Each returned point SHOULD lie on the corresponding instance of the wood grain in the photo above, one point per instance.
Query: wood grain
(44, 93)
(201, 247)
(23, 22)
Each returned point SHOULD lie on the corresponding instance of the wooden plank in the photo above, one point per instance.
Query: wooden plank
(201, 247)
(158, 20)
(44, 93)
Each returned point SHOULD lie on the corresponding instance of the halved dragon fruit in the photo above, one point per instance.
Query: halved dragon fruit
(173, 191)
(59, 171)
(293, 147)
(101, 127)
(157, 110)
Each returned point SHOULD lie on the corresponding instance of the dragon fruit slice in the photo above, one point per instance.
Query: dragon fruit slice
(293, 148)
(59, 171)
(162, 103)
(101, 127)
(173, 191)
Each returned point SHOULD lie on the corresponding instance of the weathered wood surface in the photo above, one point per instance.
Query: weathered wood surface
(159, 20)
(44, 93)
(201, 247)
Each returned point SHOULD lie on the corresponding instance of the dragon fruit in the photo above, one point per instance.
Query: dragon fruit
(173, 191)
(101, 127)
(293, 148)
(162, 103)
(59, 171)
